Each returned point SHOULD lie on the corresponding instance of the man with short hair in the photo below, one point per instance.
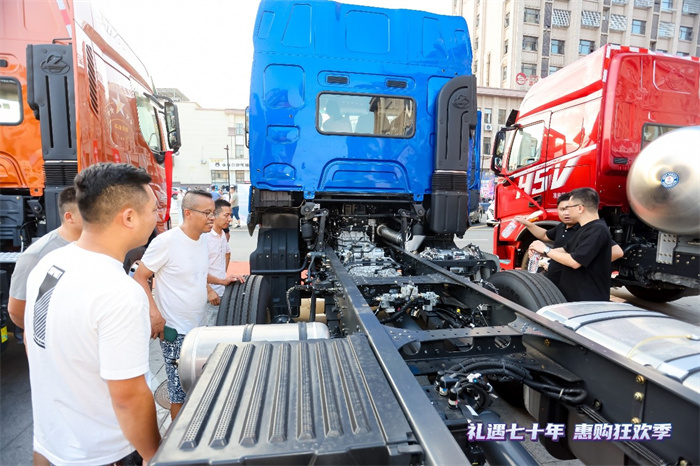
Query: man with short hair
(215, 194)
(219, 255)
(69, 231)
(178, 259)
(587, 257)
(87, 330)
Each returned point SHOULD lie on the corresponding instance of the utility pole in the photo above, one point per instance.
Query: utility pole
(228, 169)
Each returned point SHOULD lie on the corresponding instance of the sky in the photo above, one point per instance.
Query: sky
(205, 47)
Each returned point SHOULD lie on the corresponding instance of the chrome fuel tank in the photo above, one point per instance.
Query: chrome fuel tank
(663, 184)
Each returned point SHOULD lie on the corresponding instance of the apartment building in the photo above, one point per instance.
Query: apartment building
(518, 42)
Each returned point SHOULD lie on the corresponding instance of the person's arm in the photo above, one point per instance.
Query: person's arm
(133, 405)
(227, 280)
(558, 255)
(537, 231)
(15, 307)
(142, 275)
(617, 252)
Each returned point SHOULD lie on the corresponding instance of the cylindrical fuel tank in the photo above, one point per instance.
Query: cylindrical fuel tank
(663, 185)
(201, 342)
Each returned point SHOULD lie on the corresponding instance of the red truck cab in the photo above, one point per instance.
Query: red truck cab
(584, 127)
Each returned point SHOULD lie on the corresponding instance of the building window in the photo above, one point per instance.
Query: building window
(504, 73)
(478, 20)
(557, 47)
(530, 43)
(529, 69)
(554, 69)
(505, 47)
(686, 33)
(475, 68)
(501, 116)
(487, 116)
(682, 54)
(585, 47)
(639, 26)
(239, 129)
(239, 152)
(532, 16)
(506, 20)
(666, 5)
(476, 44)
(487, 145)
(661, 51)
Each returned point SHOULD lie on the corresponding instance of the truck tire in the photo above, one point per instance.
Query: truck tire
(245, 303)
(531, 290)
(656, 295)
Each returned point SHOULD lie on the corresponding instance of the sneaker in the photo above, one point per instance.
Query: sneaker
(238, 226)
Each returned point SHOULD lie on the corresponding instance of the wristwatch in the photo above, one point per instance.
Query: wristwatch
(546, 250)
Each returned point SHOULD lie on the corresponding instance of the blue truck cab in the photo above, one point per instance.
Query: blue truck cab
(363, 113)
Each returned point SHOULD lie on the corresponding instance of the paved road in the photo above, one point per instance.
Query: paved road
(15, 402)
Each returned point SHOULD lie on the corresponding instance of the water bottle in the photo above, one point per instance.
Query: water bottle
(534, 262)
(510, 228)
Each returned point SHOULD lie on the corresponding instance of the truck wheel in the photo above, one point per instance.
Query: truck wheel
(245, 303)
(530, 290)
(656, 295)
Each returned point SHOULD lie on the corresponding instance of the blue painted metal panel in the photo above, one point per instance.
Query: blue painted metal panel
(298, 45)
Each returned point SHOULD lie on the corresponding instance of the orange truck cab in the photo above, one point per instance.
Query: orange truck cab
(585, 126)
(72, 94)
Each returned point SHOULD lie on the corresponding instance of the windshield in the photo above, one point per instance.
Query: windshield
(366, 115)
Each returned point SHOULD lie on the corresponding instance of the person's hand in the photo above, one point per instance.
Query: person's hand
(213, 297)
(521, 219)
(233, 278)
(536, 246)
(157, 324)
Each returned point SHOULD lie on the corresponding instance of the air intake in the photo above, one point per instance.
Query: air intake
(396, 83)
(337, 79)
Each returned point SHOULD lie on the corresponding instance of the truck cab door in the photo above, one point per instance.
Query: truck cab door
(522, 171)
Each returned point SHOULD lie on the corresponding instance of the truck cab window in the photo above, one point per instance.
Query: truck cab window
(148, 123)
(651, 132)
(366, 115)
(527, 147)
(10, 102)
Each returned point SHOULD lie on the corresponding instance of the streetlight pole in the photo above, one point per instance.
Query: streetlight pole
(228, 169)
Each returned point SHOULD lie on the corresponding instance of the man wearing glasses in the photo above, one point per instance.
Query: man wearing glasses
(587, 257)
(179, 261)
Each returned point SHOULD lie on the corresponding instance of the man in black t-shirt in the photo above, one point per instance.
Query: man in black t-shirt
(586, 257)
(558, 235)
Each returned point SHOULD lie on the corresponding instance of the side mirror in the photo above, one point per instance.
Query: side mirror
(247, 118)
(172, 125)
(499, 146)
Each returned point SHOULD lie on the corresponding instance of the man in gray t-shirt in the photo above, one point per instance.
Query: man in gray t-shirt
(69, 231)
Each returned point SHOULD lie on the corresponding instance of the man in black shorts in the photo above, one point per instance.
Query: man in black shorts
(586, 257)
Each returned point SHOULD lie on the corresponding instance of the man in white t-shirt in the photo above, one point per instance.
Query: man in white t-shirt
(178, 259)
(219, 255)
(69, 231)
(87, 327)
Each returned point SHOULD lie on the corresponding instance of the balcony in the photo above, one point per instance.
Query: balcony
(590, 19)
(666, 29)
(618, 23)
(643, 3)
(562, 18)
(691, 7)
